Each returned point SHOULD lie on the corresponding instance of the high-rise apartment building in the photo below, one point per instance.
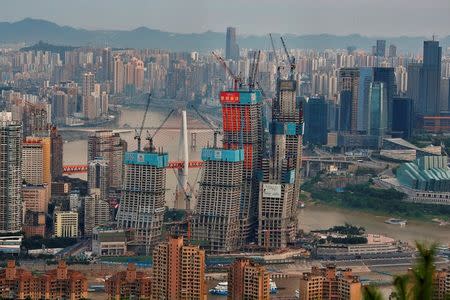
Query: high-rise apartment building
(248, 280)
(56, 153)
(216, 216)
(377, 115)
(330, 283)
(431, 78)
(109, 146)
(11, 178)
(178, 271)
(142, 201)
(129, 284)
(60, 107)
(88, 84)
(232, 48)
(243, 129)
(35, 198)
(98, 177)
(349, 84)
(66, 224)
(118, 77)
(96, 211)
(36, 160)
(441, 284)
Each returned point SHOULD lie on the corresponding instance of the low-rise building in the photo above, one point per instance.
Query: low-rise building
(129, 284)
(66, 224)
(34, 224)
(107, 241)
(330, 283)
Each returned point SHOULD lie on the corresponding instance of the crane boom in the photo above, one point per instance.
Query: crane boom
(236, 78)
(291, 59)
(213, 128)
(139, 133)
(273, 49)
(150, 137)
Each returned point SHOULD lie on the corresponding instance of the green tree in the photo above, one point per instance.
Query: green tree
(371, 292)
(423, 271)
(402, 287)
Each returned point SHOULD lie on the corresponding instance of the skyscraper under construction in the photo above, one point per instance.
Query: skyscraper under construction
(279, 188)
(243, 129)
(216, 217)
(143, 197)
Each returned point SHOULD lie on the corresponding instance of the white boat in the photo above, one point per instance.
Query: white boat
(221, 289)
(297, 294)
(394, 221)
(273, 287)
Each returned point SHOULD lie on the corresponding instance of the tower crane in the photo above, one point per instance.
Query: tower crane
(137, 135)
(254, 71)
(291, 59)
(211, 126)
(275, 56)
(236, 78)
(150, 137)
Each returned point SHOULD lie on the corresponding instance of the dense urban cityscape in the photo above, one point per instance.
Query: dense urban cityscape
(273, 172)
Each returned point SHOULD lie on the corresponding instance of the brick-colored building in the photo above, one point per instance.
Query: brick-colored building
(248, 280)
(178, 271)
(129, 284)
(441, 284)
(60, 283)
(330, 283)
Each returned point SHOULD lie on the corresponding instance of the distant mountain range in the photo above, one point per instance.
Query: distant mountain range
(31, 31)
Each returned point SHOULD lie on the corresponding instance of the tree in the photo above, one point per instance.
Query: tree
(402, 287)
(423, 272)
(371, 292)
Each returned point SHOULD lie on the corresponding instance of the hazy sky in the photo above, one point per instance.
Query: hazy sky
(368, 17)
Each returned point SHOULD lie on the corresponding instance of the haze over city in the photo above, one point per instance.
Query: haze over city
(367, 17)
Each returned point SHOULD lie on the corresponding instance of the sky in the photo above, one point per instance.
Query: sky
(366, 17)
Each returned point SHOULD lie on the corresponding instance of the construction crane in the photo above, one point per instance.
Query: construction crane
(150, 137)
(213, 128)
(138, 134)
(291, 59)
(275, 56)
(254, 71)
(236, 78)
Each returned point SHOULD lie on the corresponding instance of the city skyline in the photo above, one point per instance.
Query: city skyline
(287, 16)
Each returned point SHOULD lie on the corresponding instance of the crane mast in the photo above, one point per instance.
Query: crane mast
(291, 59)
(138, 134)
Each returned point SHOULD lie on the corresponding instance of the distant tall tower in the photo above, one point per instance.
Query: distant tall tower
(392, 51)
(118, 75)
(107, 64)
(142, 202)
(431, 78)
(11, 178)
(232, 48)
(381, 48)
(349, 84)
(216, 216)
(178, 271)
(414, 86)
